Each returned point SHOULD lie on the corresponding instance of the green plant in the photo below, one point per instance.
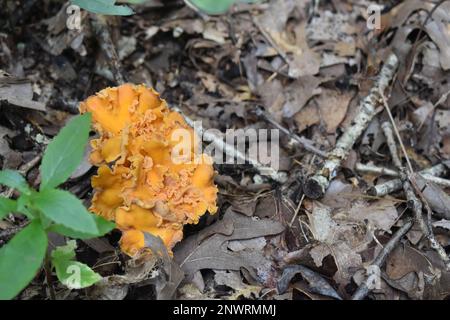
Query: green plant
(49, 210)
(107, 7)
(215, 6)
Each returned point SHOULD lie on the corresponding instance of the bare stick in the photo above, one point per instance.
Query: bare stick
(23, 170)
(440, 181)
(435, 245)
(101, 29)
(370, 168)
(365, 287)
(429, 174)
(410, 188)
(397, 160)
(294, 138)
(316, 186)
(373, 169)
(219, 142)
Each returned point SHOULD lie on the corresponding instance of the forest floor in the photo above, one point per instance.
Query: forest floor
(303, 66)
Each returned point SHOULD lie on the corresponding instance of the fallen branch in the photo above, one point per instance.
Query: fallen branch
(365, 287)
(370, 168)
(293, 138)
(410, 188)
(230, 150)
(440, 181)
(430, 174)
(316, 186)
(435, 245)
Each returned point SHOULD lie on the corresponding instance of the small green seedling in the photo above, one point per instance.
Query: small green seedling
(49, 210)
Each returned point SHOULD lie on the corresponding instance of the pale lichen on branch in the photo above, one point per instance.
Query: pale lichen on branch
(316, 186)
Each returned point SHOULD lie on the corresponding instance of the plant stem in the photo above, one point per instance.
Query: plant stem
(48, 275)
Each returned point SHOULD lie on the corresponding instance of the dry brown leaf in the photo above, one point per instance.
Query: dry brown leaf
(380, 214)
(333, 107)
(439, 32)
(340, 238)
(298, 93)
(208, 248)
(415, 272)
(304, 61)
(18, 92)
(307, 117)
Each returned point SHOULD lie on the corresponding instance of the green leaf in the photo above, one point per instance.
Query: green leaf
(7, 206)
(65, 209)
(212, 6)
(106, 7)
(22, 205)
(15, 180)
(73, 274)
(20, 259)
(65, 152)
(103, 226)
(134, 1)
(215, 7)
(66, 252)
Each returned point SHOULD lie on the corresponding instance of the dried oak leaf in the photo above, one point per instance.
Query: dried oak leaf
(301, 59)
(208, 249)
(316, 282)
(333, 107)
(340, 237)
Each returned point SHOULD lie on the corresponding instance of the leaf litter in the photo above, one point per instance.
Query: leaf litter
(307, 67)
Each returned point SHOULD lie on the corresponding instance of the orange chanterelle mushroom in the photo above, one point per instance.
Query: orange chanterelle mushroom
(138, 184)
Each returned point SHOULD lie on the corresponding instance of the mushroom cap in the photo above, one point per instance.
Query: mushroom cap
(150, 176)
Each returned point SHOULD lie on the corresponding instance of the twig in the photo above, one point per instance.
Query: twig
(388, 133)
(364, 289)
(30, 164)
(435, 245)
(48, 275)
(316, 186)
(230, 150)
(411, 189)
(397, 160)
(297, 210)
(294, 138)
(396, 184)
(23, 170)
(8, 233)
(101, 29)
(440, 181)
(370, 168)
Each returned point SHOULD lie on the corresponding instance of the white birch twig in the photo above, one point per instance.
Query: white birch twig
(431, 174)
(231, 150)
(316, 186)
(370, 168)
